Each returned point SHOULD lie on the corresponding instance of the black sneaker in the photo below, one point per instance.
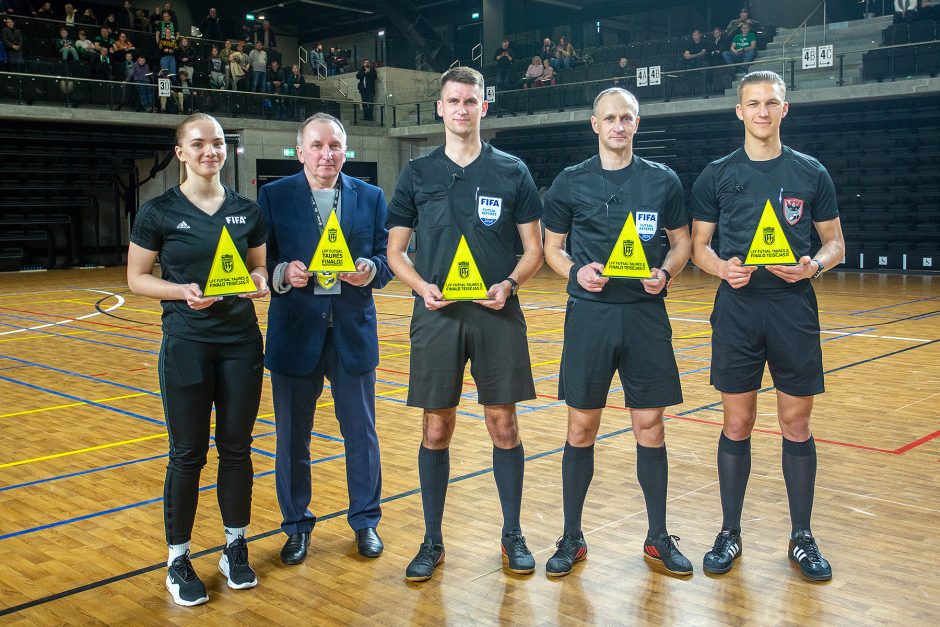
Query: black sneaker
(726, 549)
(571, 548)
(429, 557)
(234, 565)
(516, 554)
(803, 551)
(665, 552)
(183, 584)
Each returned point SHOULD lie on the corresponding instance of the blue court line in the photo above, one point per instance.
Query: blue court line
(909, 302)
(315, 434)
(81, 472)
(85, 339)
(121, 508)
(81, 376)
(66, 326)
(82, 400)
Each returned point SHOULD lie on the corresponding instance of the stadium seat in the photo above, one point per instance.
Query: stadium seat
(928, 59)
(875, 65)
(923, 30)
(895, 35)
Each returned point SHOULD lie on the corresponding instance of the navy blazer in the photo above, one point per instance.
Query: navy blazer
(297, 320)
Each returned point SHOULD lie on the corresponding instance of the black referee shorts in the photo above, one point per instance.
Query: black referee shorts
(776, 327)
(632, 338)
(493, 341)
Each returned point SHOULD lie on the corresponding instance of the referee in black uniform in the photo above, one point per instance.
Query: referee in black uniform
(467, 188)
(616, 324)
(766, 314)
(211, 351)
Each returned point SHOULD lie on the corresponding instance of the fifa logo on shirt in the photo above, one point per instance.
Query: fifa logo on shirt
(463, 268)
(331, 235)
(769, 235)
(228, 264)
(627, 247)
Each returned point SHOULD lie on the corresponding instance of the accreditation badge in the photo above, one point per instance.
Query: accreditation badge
(646, 223)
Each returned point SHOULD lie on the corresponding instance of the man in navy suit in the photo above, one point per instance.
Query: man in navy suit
(320, 326)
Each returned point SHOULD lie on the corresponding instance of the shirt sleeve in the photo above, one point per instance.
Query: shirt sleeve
(704, 199)
(402, 211)
(259, 231)
(146, 232)
(557, 217)
(825, 206)
(674, 214)
(528, 204)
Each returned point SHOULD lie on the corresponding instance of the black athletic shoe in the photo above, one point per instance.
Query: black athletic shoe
(183, 584)
(234, 565)
(429, 557)
(571, 548)
(803, 551)
(516, 554)
(726, 549)
(665, 551)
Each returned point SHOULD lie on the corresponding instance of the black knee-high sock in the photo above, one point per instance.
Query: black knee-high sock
(577, 470)
(734, 468)
(433, 471)
(508, 470)
(799, 473)
(652, 471)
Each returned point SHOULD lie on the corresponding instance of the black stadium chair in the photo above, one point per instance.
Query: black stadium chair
(875, 65)
(923, 31)
(928, 59)
(905, 63)
(895, 35)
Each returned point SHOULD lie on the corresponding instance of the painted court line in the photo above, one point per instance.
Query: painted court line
(120, 301)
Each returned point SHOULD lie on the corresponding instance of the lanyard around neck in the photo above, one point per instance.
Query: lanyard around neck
(316, 210)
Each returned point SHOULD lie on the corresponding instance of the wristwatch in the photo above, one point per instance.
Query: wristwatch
(668, 276)
(819, 268)
(513, 285)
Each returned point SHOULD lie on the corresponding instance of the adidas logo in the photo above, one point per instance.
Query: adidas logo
(799, 553)
(182, 225)
(733, 550)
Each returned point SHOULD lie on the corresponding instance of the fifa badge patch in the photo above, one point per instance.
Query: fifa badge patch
(489, 209)
(792, 210)
(646, 222)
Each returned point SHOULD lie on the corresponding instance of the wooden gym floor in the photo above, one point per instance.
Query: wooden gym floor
(83, 451)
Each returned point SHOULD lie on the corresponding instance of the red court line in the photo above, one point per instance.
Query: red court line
(85, 321)
(918, 442)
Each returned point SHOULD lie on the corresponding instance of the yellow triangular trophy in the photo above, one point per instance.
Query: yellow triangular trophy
(463, 280)
(332, 253)
(228, 274)
(627, 259)
(770, 245)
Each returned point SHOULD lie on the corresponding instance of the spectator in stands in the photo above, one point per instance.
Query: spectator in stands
(237, 66)
(278, 106)
(110, 21)
(267, 37)
(339, 59)
(122, 43)
(211, 26)
(125, 17)
(743, 47)
(366, 79)
(905, 11)
(142, 22)
(128, 96)
(186, 56)
(503, 58)
(533, 72)
(45, 11)
(140, 76)
(695, 51)
(70, 16)
(295, 82)
(547, 51)
(155, 18)
(564, 54)
(717, 46)
(744, 17)
(317, 59)
(66, 46)
(548, 74)
(275, 77)
(186, 95)
(85, 46)
(105, 41)
(258, 60)
(101, 65)
(88, 18)
(622, 73)
(216, 67)
(168, 8)
(20, 7)
(167, 44)
(164, 25)
(13, 43)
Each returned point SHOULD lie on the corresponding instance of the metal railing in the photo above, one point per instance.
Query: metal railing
(803, 25)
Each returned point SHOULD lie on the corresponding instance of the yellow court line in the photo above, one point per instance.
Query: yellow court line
(396, 355)
(77, 302)
(101, 400)
(148, 311)
(393, 391)
(692, 309)
(83, 450)
(384, 343)
(547, 331)
(47, 336)
(547, 363)
(688, 302)
(690, 335)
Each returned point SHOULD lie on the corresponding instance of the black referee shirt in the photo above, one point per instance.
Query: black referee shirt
(732, 192)
(484, 202)
(186, 238)
(591, 205)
